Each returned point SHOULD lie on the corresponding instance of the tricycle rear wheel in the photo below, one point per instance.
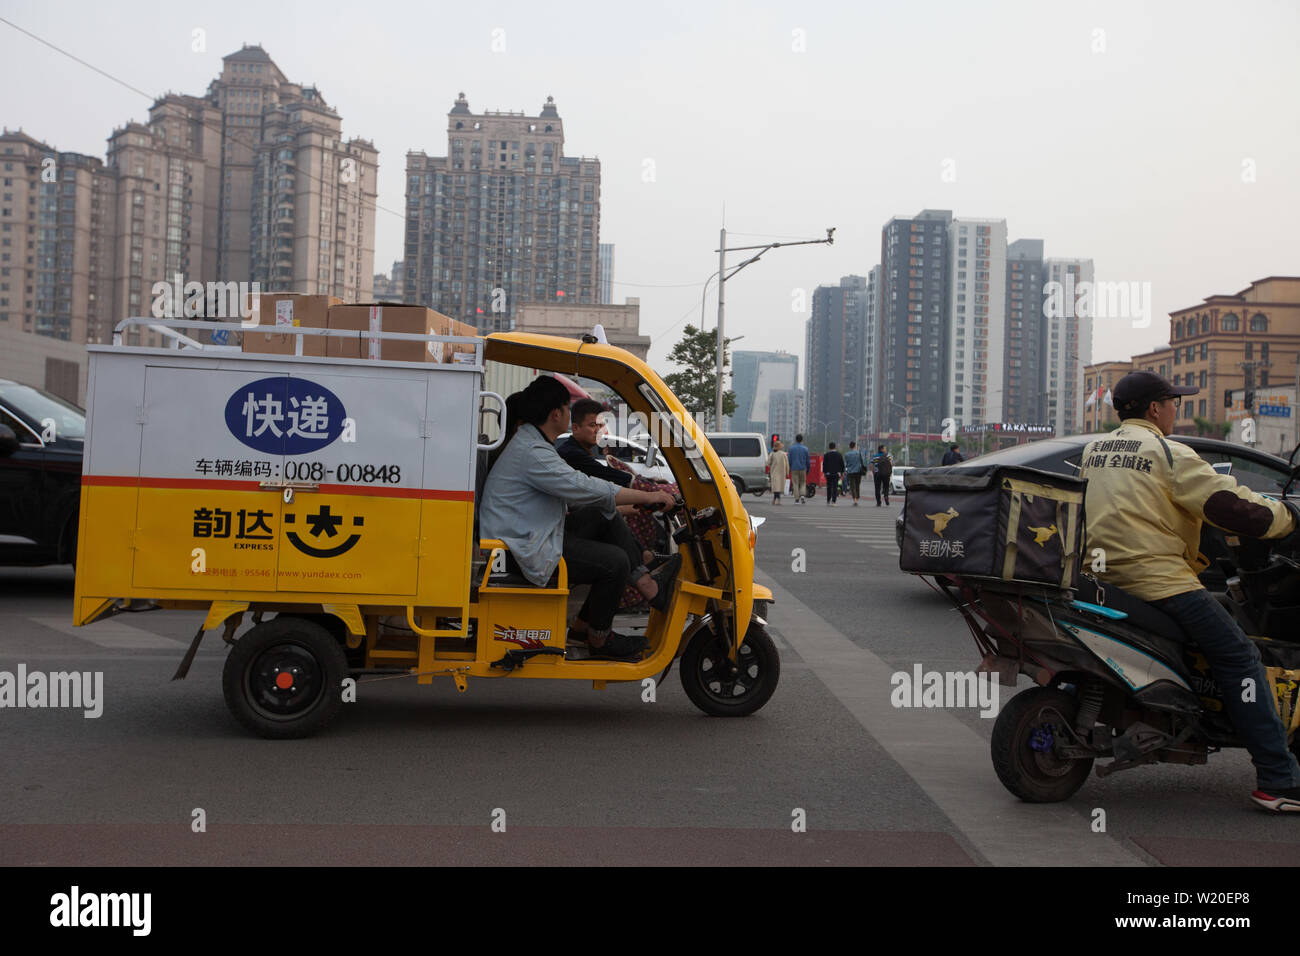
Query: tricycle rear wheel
(723, 689)
(283, 679)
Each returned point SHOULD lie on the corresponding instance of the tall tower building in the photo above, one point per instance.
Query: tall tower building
(250, 183)
(504, 218)
(56, 216)
(871, 354)
(1026, 333)
(166, 203)
(1069, 343)
(297, 200)
(912, 340)
(835, 343)
(606, 273)
(976, 386)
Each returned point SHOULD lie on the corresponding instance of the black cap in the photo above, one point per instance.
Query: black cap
(1136, 390)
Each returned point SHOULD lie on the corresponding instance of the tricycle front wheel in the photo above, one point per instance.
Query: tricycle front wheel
(723, 689)
(283, 679)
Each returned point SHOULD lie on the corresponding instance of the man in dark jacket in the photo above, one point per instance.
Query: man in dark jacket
(953, 457)
(579, 448)
(882, 468)
(833, 469)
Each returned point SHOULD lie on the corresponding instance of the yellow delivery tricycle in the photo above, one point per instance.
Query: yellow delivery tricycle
(329, 498)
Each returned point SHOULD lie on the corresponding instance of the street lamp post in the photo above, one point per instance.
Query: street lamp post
(826, 432)
(857, 424)
(723, 276)
(907, 429)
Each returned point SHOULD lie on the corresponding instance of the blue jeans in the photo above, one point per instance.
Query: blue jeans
(1233, 657)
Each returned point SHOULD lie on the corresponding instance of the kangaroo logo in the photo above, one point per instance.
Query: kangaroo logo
(1043, 535)
(941, 519)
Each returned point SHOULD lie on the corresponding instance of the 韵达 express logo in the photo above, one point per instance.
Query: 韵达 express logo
(284, 416)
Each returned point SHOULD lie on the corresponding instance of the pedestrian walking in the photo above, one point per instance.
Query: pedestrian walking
(833, 469)
(799, 460)
(953, 457)
(882, 468)
(778, 465)
(854, 466)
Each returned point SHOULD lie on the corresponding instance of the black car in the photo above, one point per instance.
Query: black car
(42, 440)
(1257, 470)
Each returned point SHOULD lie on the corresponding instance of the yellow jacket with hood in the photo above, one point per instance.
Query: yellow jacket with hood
(1146, 501)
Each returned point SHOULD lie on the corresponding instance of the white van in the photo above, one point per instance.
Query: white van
(744, 455)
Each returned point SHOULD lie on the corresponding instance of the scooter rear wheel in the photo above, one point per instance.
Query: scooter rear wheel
(1023, 747)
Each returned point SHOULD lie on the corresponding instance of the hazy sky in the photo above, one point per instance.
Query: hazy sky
(1116, 131)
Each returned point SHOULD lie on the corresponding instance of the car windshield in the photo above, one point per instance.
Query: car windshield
(41, 408)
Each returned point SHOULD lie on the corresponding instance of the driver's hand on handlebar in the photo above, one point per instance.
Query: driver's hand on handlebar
(659, 500)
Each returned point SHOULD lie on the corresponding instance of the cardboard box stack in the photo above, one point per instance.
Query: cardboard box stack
(274, 309)
(391, 317)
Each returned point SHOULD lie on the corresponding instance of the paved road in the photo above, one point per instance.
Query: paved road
(414, 774)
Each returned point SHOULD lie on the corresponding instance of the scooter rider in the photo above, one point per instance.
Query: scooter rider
(1146, 501)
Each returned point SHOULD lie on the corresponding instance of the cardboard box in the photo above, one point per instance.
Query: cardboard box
(391, 317)
(274, 309)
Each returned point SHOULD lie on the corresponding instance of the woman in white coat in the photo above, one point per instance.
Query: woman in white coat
(778, 467)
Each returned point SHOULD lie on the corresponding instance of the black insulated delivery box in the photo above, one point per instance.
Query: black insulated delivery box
(994, 521)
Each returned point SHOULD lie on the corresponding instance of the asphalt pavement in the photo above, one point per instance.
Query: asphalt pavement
(419, 775)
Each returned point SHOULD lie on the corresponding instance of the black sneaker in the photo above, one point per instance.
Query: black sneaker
(1278, 799)
(620, 647)
(658, 561)
(664, 577)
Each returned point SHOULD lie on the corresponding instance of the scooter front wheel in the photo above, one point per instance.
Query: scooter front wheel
(1024, 746)
(722, 688)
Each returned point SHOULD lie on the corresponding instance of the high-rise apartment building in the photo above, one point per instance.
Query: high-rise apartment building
(504, 218)
(56, 215)
(977, 262)
(912, 340)
(871, 354)
(1068, 342)
(251, 182)
(606, 273)
(1026, 334)
(834, 356)
(755, 375)
(297, 200)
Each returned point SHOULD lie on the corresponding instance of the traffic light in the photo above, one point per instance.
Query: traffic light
(1227, 398)
(775, 438)
(1250, 399)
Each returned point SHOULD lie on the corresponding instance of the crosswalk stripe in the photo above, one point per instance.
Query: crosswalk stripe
(111, 633)
(946, 758)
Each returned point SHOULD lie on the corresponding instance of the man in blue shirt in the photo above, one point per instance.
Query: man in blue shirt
(798, 455)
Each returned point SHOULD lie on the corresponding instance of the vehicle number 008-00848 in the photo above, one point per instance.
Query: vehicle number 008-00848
(391, 474)
(316, 471)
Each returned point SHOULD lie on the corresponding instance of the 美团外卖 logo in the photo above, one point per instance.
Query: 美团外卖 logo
(285, 415)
